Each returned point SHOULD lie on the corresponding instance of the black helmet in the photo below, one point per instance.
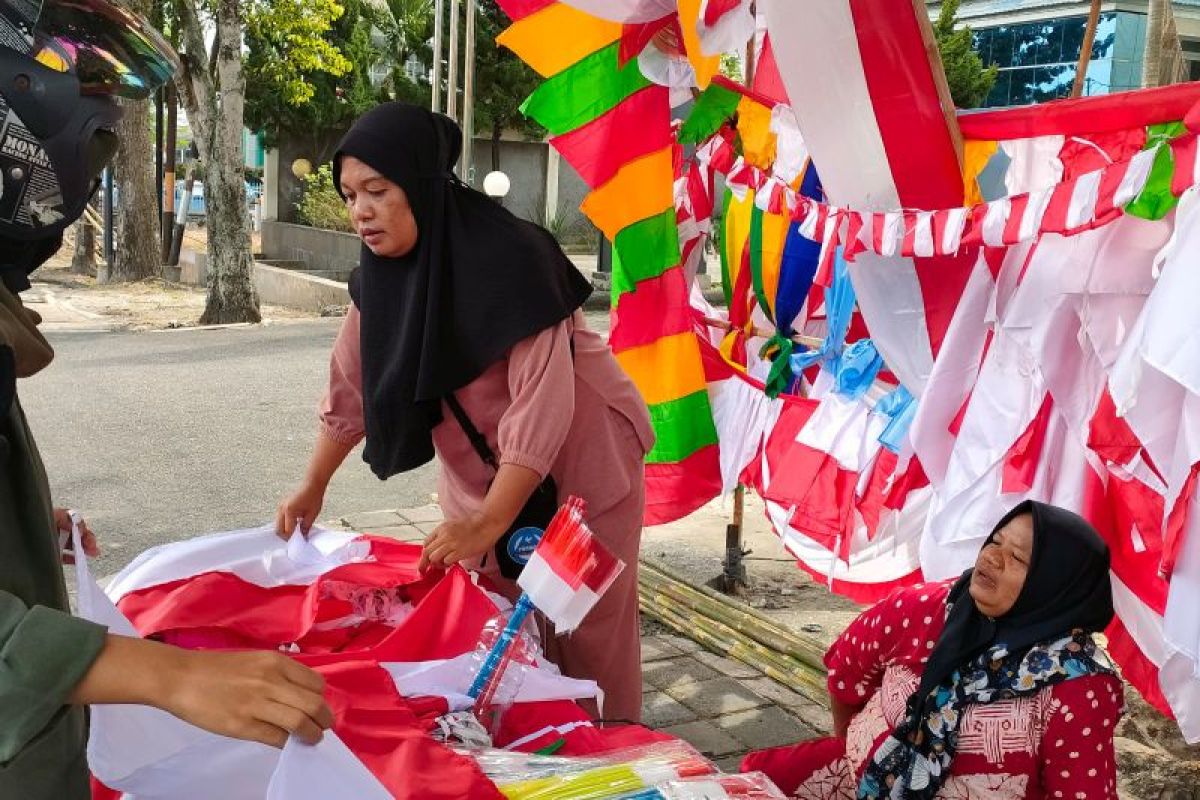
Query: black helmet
(61, 64)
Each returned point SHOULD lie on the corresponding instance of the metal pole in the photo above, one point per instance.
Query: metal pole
(467, 171)
(452, 67)
(439, 14)
(168, 211)
(185, 204)
(108, 218)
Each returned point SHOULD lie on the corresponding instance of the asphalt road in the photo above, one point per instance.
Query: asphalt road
(162, 435)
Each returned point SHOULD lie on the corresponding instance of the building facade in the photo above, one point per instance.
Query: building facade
(1036, 45)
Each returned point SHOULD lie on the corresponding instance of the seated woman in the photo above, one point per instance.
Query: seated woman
(988, 686)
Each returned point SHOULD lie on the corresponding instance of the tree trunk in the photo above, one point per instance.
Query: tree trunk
(136, 254)
(83, 262)
(1152, 55)
(213, 92)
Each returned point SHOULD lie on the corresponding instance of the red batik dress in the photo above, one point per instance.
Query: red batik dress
(1055, 743)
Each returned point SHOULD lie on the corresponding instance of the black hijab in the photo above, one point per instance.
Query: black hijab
(478, 281)
(1067, 587)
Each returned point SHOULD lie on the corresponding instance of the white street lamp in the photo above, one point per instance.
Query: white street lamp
(496, 185)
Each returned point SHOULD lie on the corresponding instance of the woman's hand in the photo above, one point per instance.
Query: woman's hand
(303, 507)
(459, 539)
(259, 696)
(62, 524)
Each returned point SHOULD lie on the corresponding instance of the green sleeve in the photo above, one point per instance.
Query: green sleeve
(43, 655)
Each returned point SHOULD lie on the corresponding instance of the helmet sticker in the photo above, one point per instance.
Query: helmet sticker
(31, 195)
(17, 21)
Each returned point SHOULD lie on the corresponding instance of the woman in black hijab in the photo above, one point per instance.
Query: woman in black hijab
(466, 340)
(1007, 695)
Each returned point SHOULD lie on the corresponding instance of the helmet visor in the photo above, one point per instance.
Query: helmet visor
(110, 50)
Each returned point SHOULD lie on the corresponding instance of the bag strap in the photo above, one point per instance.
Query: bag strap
(478, 440)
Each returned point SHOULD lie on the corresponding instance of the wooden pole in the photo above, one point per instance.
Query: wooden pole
(1085, 53)
(733, 576)
(934, 54)
(720, 324)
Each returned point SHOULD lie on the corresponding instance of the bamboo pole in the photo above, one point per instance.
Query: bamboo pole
(662, 568)
(720, 324)
(809, 653)
(1085, 53)
(726, 609)
(723, 640)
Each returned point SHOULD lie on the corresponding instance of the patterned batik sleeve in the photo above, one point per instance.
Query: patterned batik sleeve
(1077, 748)
(858, 657)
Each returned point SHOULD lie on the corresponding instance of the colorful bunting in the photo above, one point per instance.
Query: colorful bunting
(613, 125)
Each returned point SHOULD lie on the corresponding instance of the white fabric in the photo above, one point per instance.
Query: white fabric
(625, 10)
(891, 302)
(791, 154)
(1082, 206)
(674, 72)
(1033, 163)
(554, 597)
(1135, 177)
(819, 60)
(995, 220)
(923, 241)
(1035, 211)
(956, 219)
(1179, 675)
(743, 415)
(325, 770)
(149, 754)
(729, 33)
(256, 556)
(846, 429)
(451, 678)
(891, 556)
(1155, 384)
(821, 66)
(1005, 400)
(953, 375)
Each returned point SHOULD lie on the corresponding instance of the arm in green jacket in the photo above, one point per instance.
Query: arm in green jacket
(44, 654)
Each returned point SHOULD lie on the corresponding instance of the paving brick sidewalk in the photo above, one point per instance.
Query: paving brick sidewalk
(722, 707)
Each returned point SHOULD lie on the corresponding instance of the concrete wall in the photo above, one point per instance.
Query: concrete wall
(319, 250)
(524, 162)
(287, 287)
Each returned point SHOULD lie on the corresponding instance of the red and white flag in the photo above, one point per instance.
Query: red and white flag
(569, 570)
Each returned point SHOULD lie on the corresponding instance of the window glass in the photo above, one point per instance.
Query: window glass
(1037, 61)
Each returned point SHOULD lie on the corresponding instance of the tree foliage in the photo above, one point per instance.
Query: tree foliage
(311, 67)
(970, 81)
(407, 28)
(322, 206)
(502, 80)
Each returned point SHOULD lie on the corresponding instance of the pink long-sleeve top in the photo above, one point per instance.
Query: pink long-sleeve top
(581, 420)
